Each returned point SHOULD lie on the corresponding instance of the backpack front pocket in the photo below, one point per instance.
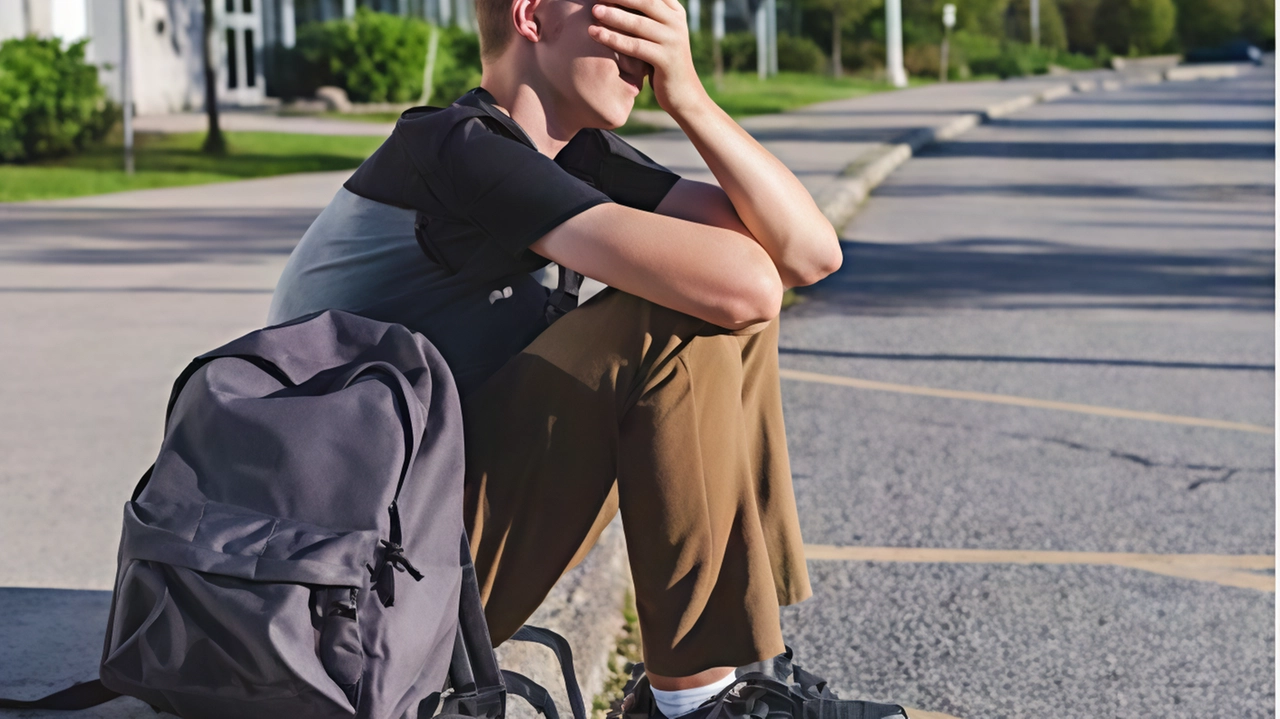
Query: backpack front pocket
(222, 611)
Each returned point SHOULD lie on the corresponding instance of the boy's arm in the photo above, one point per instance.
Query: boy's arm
(780, 214)
(758, 193)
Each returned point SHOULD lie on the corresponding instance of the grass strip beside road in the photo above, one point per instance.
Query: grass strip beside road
(745, 94)
(173, 160)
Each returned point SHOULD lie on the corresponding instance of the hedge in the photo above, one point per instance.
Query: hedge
(51, 103)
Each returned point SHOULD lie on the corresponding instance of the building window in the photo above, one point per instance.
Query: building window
(250, 70)
(233, 69)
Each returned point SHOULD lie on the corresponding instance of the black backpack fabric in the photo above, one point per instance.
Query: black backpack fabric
(298, 550)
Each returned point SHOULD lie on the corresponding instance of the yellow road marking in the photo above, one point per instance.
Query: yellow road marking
(1232, 570)
(1022, 401)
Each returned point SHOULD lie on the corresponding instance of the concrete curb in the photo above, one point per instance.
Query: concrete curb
(840, 200)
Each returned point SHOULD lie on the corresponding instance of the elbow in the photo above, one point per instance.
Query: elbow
(758, 304)
(824, 264)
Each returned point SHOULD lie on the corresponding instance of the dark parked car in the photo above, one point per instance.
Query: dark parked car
(1234, 51)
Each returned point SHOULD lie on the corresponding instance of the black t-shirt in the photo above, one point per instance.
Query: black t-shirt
(471, 192)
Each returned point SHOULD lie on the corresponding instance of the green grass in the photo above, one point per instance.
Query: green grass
(745, 94)
(171, 160)
(382, 117)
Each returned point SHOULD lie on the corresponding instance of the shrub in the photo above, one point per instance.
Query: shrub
(739, 49)
(1151, 25)
(1259, 23)
(457, 66)
(923, 60)
(976, 51)
(1053, 31)
(799, 54)
(701, 47)
(1135, 27)
(375, 56)
(1016, 59)
(51, 103)
(1207, 23)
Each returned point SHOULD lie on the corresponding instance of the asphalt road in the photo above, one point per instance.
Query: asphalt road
(1114, 250)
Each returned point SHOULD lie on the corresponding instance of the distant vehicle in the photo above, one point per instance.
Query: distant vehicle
(1234, 51)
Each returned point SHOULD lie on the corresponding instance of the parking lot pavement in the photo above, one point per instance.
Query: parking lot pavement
(967, 381)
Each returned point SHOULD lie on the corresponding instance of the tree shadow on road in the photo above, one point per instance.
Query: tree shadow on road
(150, 236)
(1038, 274)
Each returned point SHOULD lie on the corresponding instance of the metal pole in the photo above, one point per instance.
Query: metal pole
(288, 24)
(948, 20)
(126, 86)
(943, 65)
(772, 12)
(893, 43)
(1035, 23)
(762, 41)
(695, 15)
(717, 34)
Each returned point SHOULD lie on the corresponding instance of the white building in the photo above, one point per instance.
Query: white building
(165, 35)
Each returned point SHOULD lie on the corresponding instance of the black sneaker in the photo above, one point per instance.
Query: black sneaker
(774, 688)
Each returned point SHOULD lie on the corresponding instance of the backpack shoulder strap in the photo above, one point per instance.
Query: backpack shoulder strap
(78, 696)
(564, 654)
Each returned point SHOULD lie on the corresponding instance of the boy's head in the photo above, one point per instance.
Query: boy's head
(545, 44)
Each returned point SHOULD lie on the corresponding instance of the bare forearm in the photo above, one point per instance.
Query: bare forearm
(773, 205)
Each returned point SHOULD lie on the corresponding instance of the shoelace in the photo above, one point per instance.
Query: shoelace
(752, 699)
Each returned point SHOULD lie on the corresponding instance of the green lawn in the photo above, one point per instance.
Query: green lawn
(744, 94)
(170, 160)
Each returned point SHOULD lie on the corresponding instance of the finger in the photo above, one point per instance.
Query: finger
(625, 44)
(656, 9)
(638, 25)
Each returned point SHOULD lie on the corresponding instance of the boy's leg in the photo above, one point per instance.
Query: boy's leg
(626, 405)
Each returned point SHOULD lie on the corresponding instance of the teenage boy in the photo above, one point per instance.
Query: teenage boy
(659, 396)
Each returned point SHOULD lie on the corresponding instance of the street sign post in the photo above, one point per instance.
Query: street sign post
(948, 22)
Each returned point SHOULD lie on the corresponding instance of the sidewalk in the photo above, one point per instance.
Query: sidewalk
(107, 297)
(260, 121)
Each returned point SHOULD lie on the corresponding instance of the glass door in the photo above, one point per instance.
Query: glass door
(240, 31)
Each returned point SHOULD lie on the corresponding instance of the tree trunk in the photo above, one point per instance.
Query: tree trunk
(214, 142)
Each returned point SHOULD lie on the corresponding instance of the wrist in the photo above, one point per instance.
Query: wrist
(695, 104)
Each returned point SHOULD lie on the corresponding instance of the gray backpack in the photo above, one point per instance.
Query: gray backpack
(298, 550)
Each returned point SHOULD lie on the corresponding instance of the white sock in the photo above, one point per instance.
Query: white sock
(682, 701)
